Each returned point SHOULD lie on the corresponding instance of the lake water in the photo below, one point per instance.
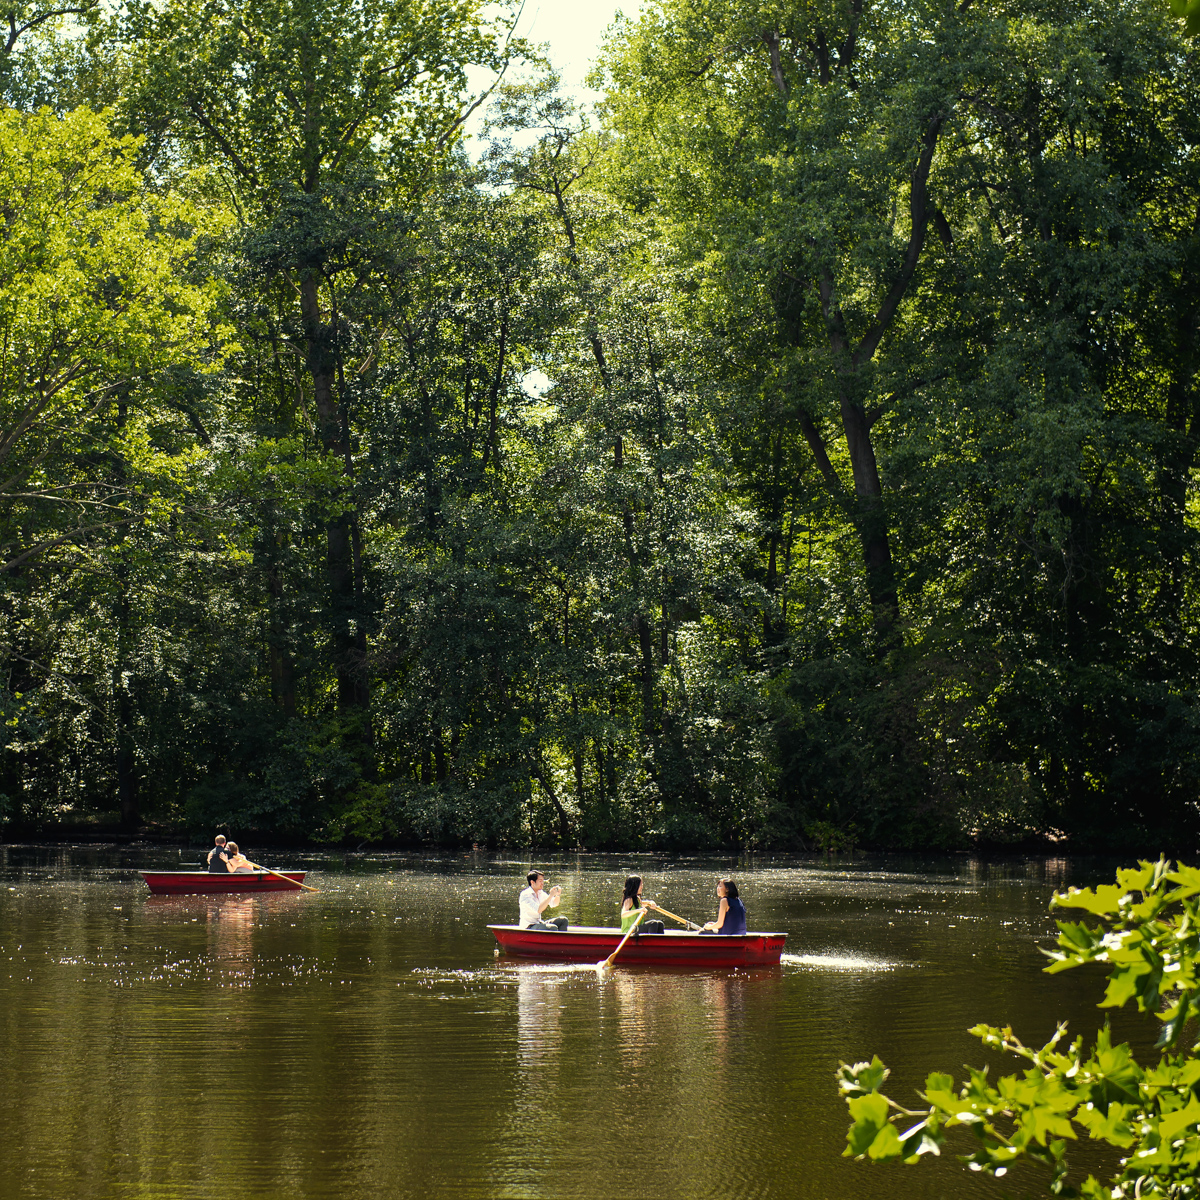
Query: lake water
(367, 1042)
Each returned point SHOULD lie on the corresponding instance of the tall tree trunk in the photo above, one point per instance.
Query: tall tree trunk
(125, 762)
(1183, 416)
(564, 821)
(347, 635)
(642, 622)
(774, 623)
(870, 520)
(128, 784)
(283, 675)
(851, 360)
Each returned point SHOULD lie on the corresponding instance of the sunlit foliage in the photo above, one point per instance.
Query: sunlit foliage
(1146, 939)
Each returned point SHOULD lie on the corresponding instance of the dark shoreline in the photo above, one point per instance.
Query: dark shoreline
(267, 843)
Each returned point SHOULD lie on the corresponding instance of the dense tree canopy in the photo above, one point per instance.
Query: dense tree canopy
(799, 450)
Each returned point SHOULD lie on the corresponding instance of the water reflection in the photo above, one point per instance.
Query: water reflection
(228, 956)
(230, 923)
(725, 997)
(539, 1034)
(630, 1006)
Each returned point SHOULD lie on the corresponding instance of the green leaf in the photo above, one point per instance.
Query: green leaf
(886, 1145)
(872, 1108)
(1171, 1126)
(1136, 879)
(1123, 985)
(862, 1076)
(1103, 901)
(870, 1113)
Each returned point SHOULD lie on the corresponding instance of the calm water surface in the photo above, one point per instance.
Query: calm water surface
(366, 1041)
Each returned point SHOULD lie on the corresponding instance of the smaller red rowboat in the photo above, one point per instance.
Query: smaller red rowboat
(198, 883)
(592, 943)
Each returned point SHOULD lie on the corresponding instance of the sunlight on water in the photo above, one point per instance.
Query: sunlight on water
(504, 972)
(838, 962)
(555, 969)
(432, 975)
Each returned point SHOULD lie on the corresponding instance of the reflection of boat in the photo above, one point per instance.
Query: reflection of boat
(195, 883)
(592, 943)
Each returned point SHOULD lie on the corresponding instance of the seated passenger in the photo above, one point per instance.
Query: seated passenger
(218, 859)
(238, 864)
(632, 903)
(534, 901)
(731, 912)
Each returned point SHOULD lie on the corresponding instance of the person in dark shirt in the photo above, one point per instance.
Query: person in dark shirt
(218, 858)
(731, 913)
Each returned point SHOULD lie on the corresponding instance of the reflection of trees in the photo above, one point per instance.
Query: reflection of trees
(1055, 871)
(231, 939)
(539, 1032)
(725, 999)
(633, 1017)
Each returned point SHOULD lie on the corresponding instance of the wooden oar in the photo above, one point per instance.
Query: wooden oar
(681, 920)
(607, 963)
(295, 881)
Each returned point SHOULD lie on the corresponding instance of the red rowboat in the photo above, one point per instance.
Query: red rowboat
(195, 883)
(591, 943)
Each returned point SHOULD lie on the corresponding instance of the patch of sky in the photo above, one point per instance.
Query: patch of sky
(535, 384)
(570, 34)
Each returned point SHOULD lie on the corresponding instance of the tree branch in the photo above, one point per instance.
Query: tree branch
(771, 41)
(246, 171)
(873, 414)
(816, 443)
(849, 47)
(50, 14)
(918, 208)
(460, 120)
(75, 534)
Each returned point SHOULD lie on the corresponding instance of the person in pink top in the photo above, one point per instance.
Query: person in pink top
(239, 864)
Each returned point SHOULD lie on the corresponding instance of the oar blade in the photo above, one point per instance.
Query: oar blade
(606, 965)
(296, 882)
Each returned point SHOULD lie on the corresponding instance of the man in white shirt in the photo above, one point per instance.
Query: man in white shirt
(534, 902)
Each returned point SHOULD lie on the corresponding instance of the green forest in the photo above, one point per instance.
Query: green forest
(796, 450)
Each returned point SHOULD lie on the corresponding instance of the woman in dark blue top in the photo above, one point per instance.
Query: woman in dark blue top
(731, 912)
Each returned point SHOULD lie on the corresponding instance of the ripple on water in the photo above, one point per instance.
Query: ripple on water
(503, 973)
(839, 962)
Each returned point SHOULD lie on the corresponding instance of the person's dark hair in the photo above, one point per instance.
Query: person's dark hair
(632, 883)
(731, 892)
(529, 879)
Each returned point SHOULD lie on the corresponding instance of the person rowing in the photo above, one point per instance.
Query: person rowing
(731, 912)
(632, 903)
(534, 901)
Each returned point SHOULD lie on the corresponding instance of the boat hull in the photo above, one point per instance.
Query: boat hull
(674, 948)
(201, 883)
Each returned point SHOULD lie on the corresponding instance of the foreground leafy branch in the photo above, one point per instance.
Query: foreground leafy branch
(1147, 937)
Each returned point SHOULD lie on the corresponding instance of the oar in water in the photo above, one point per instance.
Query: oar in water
(295, 881)
(607, 963)
(681, 920)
